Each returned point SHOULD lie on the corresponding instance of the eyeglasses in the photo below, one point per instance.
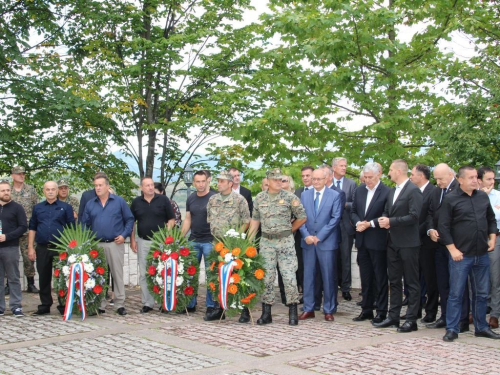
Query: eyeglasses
(318, 179)
(284, 180)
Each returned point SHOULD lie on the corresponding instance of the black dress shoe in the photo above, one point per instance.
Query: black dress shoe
(121, 311)
(488, 333)
(61, 309)
(408, 327)
(464, 327)
(429, 318)
(359, 303)
(32, 289)
(379, 318)
(386, 324)
(41, 312)
(146, 309)
(440, 323)
(347, 296)
(363, 316)
(102, 311)
(450, 336)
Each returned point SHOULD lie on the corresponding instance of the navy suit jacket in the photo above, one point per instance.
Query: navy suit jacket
(324, 224)
(371, 238)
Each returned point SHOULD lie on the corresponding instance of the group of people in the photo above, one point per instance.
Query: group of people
(435, 238)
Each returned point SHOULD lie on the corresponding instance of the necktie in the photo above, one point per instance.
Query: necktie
(443, 194)
(338, 184)
(316, 202)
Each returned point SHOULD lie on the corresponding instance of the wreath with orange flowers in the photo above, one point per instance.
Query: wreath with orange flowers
(246, 282)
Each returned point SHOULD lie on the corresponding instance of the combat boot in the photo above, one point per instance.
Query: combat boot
(293, 319)
(266, 317)
(31, 285)
(245, 316)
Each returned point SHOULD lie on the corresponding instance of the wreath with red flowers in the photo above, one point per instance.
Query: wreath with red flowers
(171, 244)
(79, 245)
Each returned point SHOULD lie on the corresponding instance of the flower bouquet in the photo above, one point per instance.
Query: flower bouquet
(236, 272)
(80, 272)
(172, 270)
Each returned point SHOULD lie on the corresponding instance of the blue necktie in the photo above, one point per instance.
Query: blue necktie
(338, 185)
(316, 203)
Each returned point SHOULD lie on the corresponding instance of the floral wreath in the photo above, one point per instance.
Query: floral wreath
(171, 254)
(236, 272)
(78, 250)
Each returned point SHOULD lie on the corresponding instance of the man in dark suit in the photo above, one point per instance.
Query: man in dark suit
(371, 240)
(420, 175)
(446, 182)
(347, 231)
(319, 243)
(247, 194)
(400, 217)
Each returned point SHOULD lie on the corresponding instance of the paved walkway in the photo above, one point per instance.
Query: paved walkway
(172, 343)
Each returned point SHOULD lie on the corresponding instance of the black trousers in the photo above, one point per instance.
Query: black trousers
(44, 259)
(428, 267)
(373, 272)
(403, 261)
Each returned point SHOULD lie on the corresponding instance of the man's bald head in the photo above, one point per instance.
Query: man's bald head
(443, 175)
(50, 191)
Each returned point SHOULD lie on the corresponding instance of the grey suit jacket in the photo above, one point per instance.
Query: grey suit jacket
(348, 187)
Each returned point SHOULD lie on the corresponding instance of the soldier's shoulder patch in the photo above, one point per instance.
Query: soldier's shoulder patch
(295, 202)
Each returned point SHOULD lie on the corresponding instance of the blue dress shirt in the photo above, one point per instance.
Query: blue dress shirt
(108, 222)
(48, 219)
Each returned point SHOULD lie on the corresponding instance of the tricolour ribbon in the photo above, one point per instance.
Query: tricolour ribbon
(225, 272)
(170, 296)
(70, 298)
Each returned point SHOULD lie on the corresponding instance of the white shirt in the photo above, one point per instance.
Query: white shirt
(494, 196)
(308, 188)
(423, 187)
(369, 195)
(237, 190)
(398, 189)
(320, 197)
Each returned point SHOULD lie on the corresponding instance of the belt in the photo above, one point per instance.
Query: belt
(106, 241)
(277, 236)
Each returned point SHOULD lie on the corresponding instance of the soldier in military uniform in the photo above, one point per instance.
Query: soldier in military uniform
(225, 210)
(63, 196)
(27, 197)
(272, 210)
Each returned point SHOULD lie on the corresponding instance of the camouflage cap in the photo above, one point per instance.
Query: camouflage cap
(225, 175)
(18, 169)
(274, 174)
(62, 182)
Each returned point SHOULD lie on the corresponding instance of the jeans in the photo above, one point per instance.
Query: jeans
(203, 249)
(9, 266)
(478, 268)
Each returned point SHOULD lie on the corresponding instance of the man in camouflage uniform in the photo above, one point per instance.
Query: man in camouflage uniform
(225, 210)
(63, 196)
(273, 210)
(27, 197)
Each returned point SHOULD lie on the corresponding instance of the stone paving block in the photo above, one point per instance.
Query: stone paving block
(405, 357)
(249, 372)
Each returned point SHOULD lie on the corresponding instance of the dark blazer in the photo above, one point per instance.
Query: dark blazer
(343, 198)
(247, 194)
(324, 224)
(426, 201)
(300, 190)
(435, 205)
(86, 196)
(371, 238)
(348, 187)
(404, 215)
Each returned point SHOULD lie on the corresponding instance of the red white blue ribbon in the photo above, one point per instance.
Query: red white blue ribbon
(170, 296)
(225, 272)
(70, 298)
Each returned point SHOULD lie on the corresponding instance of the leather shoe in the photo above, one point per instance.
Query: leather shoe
(307, 315)
(363, 316)
(121, 311)
(440, 323)
(41, 312)
(493, 322)
(408, 327)
(347, 296)
(464, 326)
(386, 324)
(429, 318)
(32, 289)
(214, 313)
(450, 336)
(146, 309)
(329, 317)
(379, 318)
(102, 311)
(359, 303)
(488, 333)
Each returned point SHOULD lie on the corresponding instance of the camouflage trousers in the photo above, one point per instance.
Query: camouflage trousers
(281, 252)
(28, 265)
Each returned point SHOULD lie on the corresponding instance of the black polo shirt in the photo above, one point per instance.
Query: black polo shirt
(151, 215)
(466, 221)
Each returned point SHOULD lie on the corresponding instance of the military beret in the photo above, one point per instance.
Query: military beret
(225, 175)
(18, 169)
(274, 174)
(62, 182)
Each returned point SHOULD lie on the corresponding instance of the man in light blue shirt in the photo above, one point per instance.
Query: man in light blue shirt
(486, 179)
